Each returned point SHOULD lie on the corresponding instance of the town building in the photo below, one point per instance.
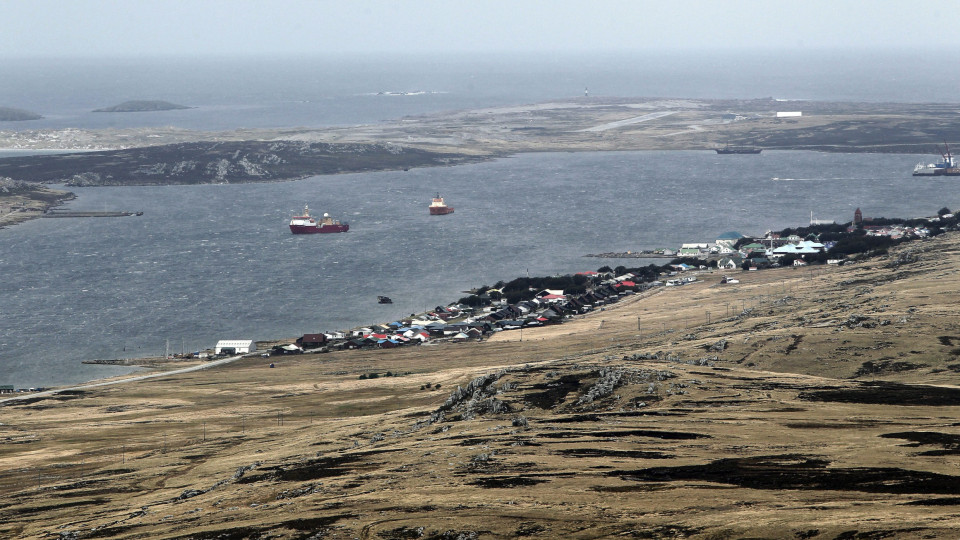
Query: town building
(235, 346)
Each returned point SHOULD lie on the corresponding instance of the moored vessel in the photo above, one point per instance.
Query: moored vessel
(305, 224)
(438, 207)
(738, 150)
(945, 166)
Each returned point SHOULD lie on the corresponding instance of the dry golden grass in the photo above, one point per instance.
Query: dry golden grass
(802, 426)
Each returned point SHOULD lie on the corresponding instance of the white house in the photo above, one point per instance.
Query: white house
(789, 114)
(802, 248)
(728, 240)
(238, 346)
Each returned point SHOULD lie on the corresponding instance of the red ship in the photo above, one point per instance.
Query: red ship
(439, 208)
(307, 225)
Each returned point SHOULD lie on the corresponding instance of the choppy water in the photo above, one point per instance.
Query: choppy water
(217, 261)
(209, 262)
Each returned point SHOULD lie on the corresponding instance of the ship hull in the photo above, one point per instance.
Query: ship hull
(323, 229)
(738, 150)
(440, 210)
(937, 171)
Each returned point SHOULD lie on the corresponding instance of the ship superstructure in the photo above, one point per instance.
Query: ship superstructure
(945, 166)
(438, 207)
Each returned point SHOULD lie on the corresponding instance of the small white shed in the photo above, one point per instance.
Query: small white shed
(238, 346)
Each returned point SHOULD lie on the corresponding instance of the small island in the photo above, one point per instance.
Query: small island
(10, 114)
(143, 106)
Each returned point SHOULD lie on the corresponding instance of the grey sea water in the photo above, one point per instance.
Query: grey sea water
(218, 261)
(210, 262)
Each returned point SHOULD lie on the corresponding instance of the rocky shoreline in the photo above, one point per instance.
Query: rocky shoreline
(20, 201)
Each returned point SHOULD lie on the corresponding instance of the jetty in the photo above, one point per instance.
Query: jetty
(74, 214)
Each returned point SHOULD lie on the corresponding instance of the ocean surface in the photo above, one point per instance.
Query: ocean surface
(215, 262)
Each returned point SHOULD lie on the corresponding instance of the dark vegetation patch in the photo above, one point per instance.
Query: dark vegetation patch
(665, 435)
(410, 509)
(529, 528)
(599, 452)
(800, 472)
(768, 386)
(109, 532)
(939, 501)
(553, 393)
(600, 417)
(886, 393)
(663, 531)
(715, 402)
(524, 441)
(100, 491)
(948, 340)
(29, 510)
(323, 467)
(507, 481)
(246, 533)
(793, 346)
(950, 443)
(879, 368)
(454, 534)
(874, 535)
(402, 533)
(636, 488)
(312, 524)
(473, 441)
(831, 425)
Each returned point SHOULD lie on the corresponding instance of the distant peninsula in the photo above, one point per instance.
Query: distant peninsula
(160, 156)
(9, 114)
(143, 106)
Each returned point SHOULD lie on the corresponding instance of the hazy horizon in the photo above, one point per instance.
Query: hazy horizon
(211, 28)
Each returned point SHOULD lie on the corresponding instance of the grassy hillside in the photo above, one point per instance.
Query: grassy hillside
(815, 403)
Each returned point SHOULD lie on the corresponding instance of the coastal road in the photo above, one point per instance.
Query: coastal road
(198, 367)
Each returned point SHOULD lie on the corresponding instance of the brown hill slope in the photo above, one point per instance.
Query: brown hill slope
(798, 404)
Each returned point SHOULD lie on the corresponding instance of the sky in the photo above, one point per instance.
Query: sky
(123, 28)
